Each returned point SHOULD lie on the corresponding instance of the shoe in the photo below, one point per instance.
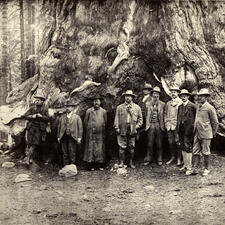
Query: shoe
(101, 168)
(178, 162)
(159, 163)
(188, 173)
(92, 169)
(183, 168)
(121, 165)
(205, 172)
(170, 161)
(146, 163)
(132, 166)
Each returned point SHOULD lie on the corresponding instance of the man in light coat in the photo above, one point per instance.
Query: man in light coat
(154, 126)
(70, 131)
(205, 128)
(127, 120)
(184, 130)
(171, 110)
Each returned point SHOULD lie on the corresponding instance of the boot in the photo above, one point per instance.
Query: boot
(195, 163)
(122, 157)
(184, 161)
(189, 164)
(206, 165)
(131, 158)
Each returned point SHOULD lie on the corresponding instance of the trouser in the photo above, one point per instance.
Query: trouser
(126, 142)
(174, 151)
(69, 148)
(154, 134)
(31, 152)
(186, 147)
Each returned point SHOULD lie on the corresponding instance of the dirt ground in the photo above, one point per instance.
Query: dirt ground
(104, 197)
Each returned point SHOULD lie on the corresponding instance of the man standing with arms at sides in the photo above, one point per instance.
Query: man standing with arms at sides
(95, 122)
(185, 130)
(155, 126)
(70, 131)
(205, 128)
(127, 120)
(170, 118)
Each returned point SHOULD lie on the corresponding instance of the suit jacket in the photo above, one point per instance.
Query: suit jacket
(206, 121)
(187, 115)
(161, 108)
(75, 123)
(120, 122)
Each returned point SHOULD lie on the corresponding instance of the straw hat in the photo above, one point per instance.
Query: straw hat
(129, 92)
(147, 86)
(184, 92)
(156, 89)
(204, 91)
(175, 88)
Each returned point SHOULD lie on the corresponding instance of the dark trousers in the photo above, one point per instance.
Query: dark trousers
(69, 148)
(186, 142)
(154, 134)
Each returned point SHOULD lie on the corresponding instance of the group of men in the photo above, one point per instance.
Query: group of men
(189, 128)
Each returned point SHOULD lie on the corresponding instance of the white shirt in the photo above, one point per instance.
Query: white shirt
(185, 103)
(145, 97)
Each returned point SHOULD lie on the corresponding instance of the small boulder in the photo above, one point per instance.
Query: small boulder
(22, 177)
(149, 188)
(8, 164)
(68, 171)
(122, 171)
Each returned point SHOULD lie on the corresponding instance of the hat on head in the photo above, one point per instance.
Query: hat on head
(147, 86)
(129, 92)
(175, 88)
(97, 97)
(156, 89)
(40, 96)
(203, 91)
(184, 92)
(69, 103)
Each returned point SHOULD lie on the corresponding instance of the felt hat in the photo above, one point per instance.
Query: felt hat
(204, 91)
(97, 96)
(130, 93)
(156, 89)
(147, 86)
(175, 88)
(184, 92)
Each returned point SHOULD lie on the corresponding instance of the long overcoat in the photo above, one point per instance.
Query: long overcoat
(95, 122)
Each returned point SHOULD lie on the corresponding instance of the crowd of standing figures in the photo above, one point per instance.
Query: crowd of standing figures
(190, 127)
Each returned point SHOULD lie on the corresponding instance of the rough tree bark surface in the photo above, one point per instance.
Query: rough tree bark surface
(164, 43)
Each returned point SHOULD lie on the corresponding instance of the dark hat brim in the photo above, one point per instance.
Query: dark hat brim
(125, 94)
(39, 97)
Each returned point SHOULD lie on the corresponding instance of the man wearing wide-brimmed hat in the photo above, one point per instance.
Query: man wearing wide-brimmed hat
(36, 128)
(95, 122)
(205, 128)
(194, 97)
(171, 110)
(127, 120)
(185, 128)
(154, 126)
(70, 131)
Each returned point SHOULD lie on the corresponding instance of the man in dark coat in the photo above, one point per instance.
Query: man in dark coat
(127, 120)
(95, 122)
(155, 126)
(185, 128)
(70, 131)
(36, 128)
